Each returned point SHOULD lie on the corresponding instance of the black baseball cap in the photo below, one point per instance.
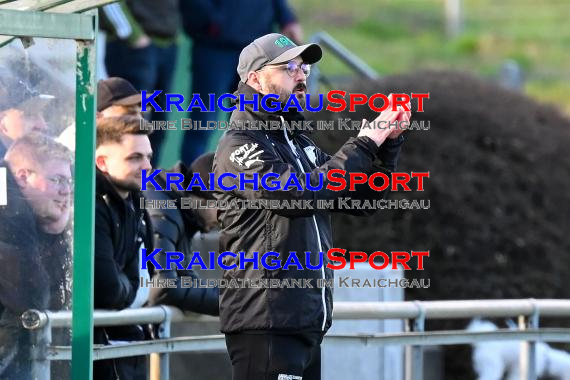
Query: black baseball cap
(273, 49)
(19, 94)
(116, 91)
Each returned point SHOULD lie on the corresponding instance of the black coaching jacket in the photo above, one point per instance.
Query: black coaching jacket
(285, 230)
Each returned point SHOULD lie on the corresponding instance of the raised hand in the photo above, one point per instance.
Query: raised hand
(404, 117)
(376, 134)
(379, 135)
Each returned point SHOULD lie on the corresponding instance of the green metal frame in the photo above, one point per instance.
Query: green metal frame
(48, 25)
(83, 29)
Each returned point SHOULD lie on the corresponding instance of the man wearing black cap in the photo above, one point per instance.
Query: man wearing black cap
(21, 109)
(117, 96)
(275, 333)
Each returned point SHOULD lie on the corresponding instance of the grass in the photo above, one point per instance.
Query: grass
(396, 36)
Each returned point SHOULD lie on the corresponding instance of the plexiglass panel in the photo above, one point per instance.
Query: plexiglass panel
(37, 129)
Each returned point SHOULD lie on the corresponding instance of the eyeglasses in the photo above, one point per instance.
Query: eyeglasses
(57, 181)
(292, 68)
(60, 181)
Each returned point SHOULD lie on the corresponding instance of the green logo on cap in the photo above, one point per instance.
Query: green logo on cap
(283, 42)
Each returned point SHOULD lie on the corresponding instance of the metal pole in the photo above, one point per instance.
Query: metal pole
(528, 348)
(414, 354)
(41, 340)
(533, 324)
(160, 363)
(154, 366)
(523, 353)
(345, 55)
(418, 351)
(84, 201)
(164, 332)
(408, 353)
(453, 18)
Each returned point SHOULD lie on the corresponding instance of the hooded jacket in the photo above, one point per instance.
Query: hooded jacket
(283, 231)
(173, 231)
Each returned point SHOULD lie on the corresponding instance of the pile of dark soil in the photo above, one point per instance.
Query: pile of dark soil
(499, 194)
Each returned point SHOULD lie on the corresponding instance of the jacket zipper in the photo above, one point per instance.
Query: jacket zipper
(323, 294)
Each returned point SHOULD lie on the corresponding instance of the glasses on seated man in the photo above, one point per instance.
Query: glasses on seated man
(291, 67)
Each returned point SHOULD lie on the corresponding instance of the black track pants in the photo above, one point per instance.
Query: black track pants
(266, 356)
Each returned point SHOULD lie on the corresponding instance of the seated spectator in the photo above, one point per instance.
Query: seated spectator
(34, 243)
(122, 230)
(21, 110)
(174, 230)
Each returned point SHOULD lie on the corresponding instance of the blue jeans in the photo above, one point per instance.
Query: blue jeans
(150, 69)
(214, 71)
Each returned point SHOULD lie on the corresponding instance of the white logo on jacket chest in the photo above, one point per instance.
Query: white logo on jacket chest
(246, 155)
(289, 377)
(311, 154)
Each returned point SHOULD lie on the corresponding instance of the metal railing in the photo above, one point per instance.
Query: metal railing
(339, 51)
(511, 74)
(528, 311)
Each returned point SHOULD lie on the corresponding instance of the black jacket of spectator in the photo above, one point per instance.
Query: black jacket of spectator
(173, 231)
(23, 281)
(120, 227)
